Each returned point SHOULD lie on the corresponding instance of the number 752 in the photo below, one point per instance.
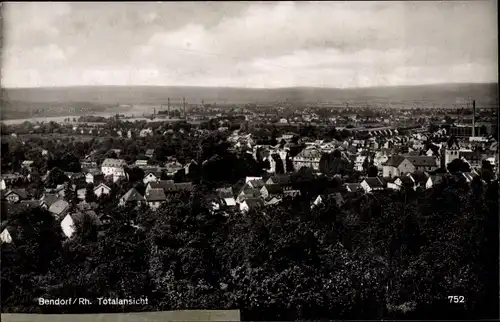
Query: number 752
(456, 299)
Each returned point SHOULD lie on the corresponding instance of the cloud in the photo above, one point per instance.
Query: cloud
(334, 44)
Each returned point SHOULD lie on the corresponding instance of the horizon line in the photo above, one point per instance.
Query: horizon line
(248, 88)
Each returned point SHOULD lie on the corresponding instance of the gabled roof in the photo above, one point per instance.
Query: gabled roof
(422, 161)
(394, 161)
(230, 202)
(281, 179)
(22, 193)
(452, 142)
(59, 207)
(156, 173)
(182, 186)
(375, 182)
(150, 151)
(273, 188)
(420, 177)
(406, 180)
(436, 178)
(114, 163)
(257, 184)
(49, 198)
(157, 194)
(352, 186)
(102, 185)
(132, 195)
(225, 192)
(94, 172)
(254, 202)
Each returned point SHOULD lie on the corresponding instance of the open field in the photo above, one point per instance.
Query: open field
(191, 315)
(54, 136)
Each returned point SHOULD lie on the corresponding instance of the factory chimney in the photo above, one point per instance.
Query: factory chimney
(168, 106)
(473, 117)
(184, 106)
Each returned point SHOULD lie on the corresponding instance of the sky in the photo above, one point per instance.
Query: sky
(249, 44)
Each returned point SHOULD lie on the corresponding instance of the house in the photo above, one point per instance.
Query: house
(11, 178)
(227, 196)
(391, 183)
(473, 158)
(373, 184)
(172, 167)
(399, 165)
(307, 158)
(145, 132)
(190, 167)
(117, 152)
(48, 199)
(391, 167)
(27, 164)
(320, 199)
(68, 224)
(251, 203)
(9, 233)
(152, 176)
(170, 188)
(405, 182)
(16, 195)
(420, 178)
(283, 180)
(106, 220)
(141, 163)
(433, 180)
(59, 208)
(379, 159)
(132, 197)
(81, 193)
(271, 190)
(114, 167)
(352, 187)
(272, 201)
(291, 193)
(159, 184)
(358, 163)
(93, 176)
(421, 163)
(248, 179)
(102, 189)
(155, 198)
(256, 184)
(149, 153)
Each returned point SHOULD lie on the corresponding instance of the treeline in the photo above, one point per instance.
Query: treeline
(387, 255)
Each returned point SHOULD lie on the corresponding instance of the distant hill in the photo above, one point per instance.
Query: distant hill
(439, 94)
(22, 103)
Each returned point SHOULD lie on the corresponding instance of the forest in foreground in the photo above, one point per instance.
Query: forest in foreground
(382, 255)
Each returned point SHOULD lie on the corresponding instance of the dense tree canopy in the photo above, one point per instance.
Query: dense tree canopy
(384, 255)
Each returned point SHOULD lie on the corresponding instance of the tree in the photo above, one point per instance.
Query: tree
(55, 177)
(70, 195)
(372, 171)
(458, 165)
(89, 194)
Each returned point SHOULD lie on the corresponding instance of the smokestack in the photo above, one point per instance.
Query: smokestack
(168, 106)
(184, 106)
(473, 117)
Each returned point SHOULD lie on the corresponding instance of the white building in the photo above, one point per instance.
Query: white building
(102, 189)
(114, 167)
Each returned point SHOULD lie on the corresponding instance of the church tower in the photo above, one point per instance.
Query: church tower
(451, 150)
